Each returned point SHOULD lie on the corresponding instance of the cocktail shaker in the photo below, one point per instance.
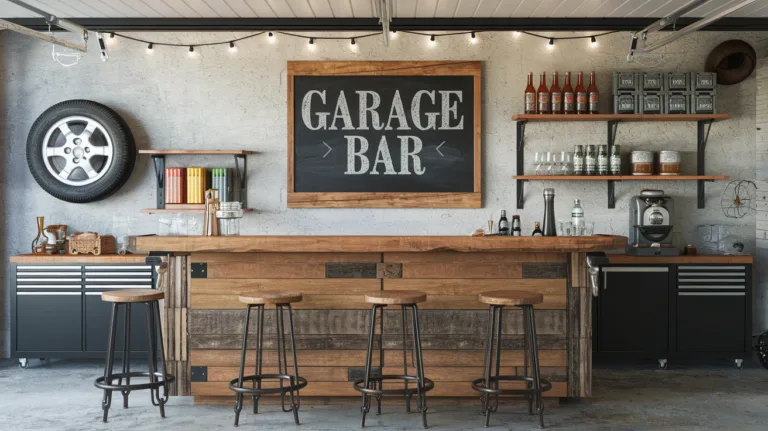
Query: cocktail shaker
(549, 227)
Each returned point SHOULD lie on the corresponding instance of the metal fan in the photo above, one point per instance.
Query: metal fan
(739, 198)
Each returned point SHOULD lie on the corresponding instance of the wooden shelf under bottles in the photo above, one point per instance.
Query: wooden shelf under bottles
(197, 152)
(621, 177)
(182, 208)
(620, 117)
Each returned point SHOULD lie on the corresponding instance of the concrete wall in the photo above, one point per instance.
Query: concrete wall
(220, 99)
(761, 142)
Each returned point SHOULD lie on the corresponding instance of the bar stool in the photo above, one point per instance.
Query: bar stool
(489, 384)
(282, 301)
(374, 385)
(157, 378)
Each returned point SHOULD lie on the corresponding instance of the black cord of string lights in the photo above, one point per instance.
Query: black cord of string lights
(312, 39)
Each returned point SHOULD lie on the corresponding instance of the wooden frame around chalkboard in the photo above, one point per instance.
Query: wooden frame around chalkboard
(389, 199)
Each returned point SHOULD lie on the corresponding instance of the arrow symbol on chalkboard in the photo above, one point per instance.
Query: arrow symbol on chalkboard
(329, 149)
(438, 149)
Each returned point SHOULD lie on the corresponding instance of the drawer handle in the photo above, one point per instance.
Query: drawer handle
(635, 269)
(47, 280)
(48, 293)
(47, 286)
(713, 286)
(713, 274)
(712, 294)
(111, 280)
(59, 273)
(712, 280)
(120, 274)
(114, 267)
(118, 286)
(39, 267)
(694, 268)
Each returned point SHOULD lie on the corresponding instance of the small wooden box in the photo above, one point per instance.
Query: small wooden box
(91, 243)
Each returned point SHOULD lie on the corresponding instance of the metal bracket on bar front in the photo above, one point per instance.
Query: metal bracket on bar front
(159, 161)
(520, 184)
(702, 135)
(242, 176)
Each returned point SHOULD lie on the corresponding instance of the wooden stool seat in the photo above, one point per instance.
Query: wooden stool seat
(511, 297)
(132, 295)
(396, 297)
(271, 297)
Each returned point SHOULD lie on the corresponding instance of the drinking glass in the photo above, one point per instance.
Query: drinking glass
(589, 228)
(565, 163)
(537, 163)
(550, 164)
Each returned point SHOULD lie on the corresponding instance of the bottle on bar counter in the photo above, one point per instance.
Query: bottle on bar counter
(503, 224)
(556, 96)
(594, 95)
(516, 226)
(578, 160)
(543, 95)
(602, 160)
(577, 218)
(616, 160)
(537, 230)
(590, 161)
(530, 96)
(569, 100)
(581, 96)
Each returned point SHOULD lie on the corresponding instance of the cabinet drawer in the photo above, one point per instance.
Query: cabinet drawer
(49, 321)
(711, 322)
(705, 275)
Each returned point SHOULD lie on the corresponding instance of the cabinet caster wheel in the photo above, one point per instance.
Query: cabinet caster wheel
(23, 363)
(739, 363)
(663, 364)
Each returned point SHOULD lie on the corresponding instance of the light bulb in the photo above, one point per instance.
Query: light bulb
(232, 46)
(311, 40)
(516, 34)
(352, 42)
(149, 48)
(270, 34)
(551, 44)
(473, 39)
(191, 50)
(432, 38)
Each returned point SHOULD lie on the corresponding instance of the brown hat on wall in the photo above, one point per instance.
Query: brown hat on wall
(732, 60)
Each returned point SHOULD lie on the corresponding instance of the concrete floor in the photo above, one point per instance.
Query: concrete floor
(60, 396)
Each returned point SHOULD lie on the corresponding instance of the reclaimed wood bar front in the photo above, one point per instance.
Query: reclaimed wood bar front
(334, 272)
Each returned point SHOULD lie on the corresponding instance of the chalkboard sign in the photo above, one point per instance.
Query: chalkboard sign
(384, 134)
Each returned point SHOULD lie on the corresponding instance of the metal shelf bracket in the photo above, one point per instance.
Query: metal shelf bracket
(613, 127)
(159, 162)
(702, 135)
(520, 184)
(241, 173)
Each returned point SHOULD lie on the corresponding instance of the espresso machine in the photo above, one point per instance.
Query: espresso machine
(650, 224)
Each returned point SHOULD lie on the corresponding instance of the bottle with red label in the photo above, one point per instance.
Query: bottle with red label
(582, 105)
(594, 95)
(556, 106)
(530, 96)
(543, 95)
(569, 99)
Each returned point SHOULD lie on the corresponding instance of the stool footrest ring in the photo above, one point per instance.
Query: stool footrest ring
(101, 384)
(428, 385)
(479, 385)
(301, 382)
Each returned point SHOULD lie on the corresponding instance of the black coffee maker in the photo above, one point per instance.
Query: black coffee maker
(650, 224)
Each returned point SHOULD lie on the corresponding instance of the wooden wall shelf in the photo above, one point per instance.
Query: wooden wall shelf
(197, 152)
(703, 125)
(182, 208)
(621, 177)
(620, 117)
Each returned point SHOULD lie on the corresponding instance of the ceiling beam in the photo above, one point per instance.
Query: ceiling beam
(371, 24)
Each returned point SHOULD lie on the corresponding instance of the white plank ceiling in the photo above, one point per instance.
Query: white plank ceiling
(363, 8)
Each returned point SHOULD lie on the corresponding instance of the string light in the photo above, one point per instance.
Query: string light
(270, 34)
(149, 47)
(593, 39)
(432, 38)
(552, 41)
(191, 49)
(111, 35)
(473, 35)
(352, 41)
(516, 34)
(311, 40)
(232, 46)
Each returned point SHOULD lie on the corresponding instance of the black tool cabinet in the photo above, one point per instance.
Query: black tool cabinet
(57, 311)
(681, 313)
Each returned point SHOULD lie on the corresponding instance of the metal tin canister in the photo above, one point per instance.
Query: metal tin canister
(642, 163)
(669, 162)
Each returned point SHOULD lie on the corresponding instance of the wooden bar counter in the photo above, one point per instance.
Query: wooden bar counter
(334, 272)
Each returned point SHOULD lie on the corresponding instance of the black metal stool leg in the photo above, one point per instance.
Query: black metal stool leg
(243, 350)
(489, 363)
(295, 400)
(500, 313)
(126, 353)
(106, 402)
(154, 393)
(159, 330)
(381, 356)
(526, 358)
(535, 365)
(405, 358)
(259, 353)
(421, 392)
(366, 404)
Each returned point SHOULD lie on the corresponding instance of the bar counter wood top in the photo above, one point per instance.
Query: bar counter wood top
(377, 244)
(207, 276)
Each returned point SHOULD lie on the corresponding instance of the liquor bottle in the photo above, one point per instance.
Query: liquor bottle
(602, 160)
(503, 224)
(549, 228)
(556, 106)
(569, 100)
(577, 218)
(543, 95)
(578, 160)
(530, 96)
(594, 95)
(537, 230)
(616, 160)
(581, 96)
(516, 226)
(590, 161)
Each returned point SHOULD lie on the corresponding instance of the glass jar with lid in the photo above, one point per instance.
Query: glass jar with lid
(229, 215)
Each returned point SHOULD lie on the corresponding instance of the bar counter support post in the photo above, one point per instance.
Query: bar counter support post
(520, 184)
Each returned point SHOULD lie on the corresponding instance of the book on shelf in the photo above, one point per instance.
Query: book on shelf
(175, 185)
